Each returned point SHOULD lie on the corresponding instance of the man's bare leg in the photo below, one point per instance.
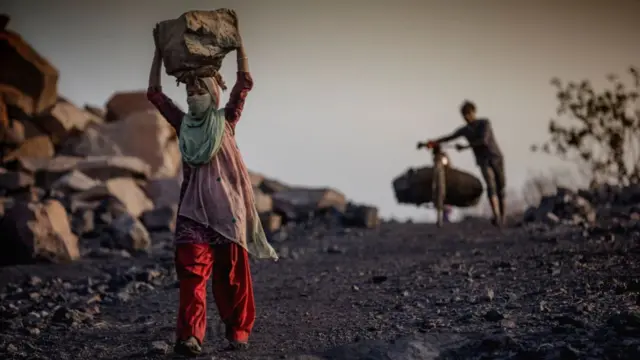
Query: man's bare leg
(503, 213)
(495, 208)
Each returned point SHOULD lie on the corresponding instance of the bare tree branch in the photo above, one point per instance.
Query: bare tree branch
(600, 131)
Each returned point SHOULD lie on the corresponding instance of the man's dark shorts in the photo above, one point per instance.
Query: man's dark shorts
(493, 174)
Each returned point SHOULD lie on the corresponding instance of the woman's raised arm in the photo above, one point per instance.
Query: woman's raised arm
(165, 106)
(154, 73)
(244, 84)
(156, 65)
(243, 60)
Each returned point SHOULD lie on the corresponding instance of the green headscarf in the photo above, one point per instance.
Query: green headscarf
(202, 128)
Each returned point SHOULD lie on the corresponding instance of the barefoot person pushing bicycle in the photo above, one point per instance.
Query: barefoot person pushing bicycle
(482, 141)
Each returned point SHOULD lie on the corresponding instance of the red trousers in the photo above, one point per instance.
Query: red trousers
(232, 289)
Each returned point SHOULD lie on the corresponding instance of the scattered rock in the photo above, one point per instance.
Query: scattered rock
(125, 190)
(160, 219)
(31, 85)
(11, 349)
(68, 316)
(96, 111)
(160, 347)
(124, 104)
(64, 120)
(100, 168)
(361, 216)
(158, 147)
(13, 132)
(75, 181)
(264, 203)
(37, 231)
(163, 192)
(493, 315)
(256, 179)
(297, 202)
(378, 279)
(271, 222)
(35, 147)
(83, 222)
(110, 167)
(129, 234)
(269, 186)
(12, 181)
(565, 206)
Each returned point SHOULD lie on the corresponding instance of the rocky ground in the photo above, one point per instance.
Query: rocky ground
(87, 208)
(467, 291)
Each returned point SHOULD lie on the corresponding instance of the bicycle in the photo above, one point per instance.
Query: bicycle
(438, 181)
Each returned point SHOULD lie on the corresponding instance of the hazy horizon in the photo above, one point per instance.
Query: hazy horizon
(344, 89)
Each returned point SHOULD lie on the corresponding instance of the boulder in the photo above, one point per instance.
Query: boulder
(121, 105)
(161, 218)
(271, 186)
(145, 135)
(107, 209)
(37, 231)
(125, 190)
(271, 222)
(564, 206)
(34, 165)
(264, 203)
(361, 216)
(299, 202)
(36, 147)
(197, 41)
(83, 222)
(256, 179)
(129, 234)
(11, 181)
(63, 120)
(15, 132)
(30, 129)
(29, 194)
(75, 181)
(31, 85)
(27, 129)
(79, 206)
(12, 132)
(109, 167)
(97, 111)
(48, 171)
(163, 192)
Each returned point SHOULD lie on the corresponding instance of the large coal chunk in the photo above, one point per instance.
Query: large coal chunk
(197, 41)
(414, 187)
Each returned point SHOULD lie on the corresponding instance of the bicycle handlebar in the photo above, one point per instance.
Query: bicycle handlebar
(439, 145)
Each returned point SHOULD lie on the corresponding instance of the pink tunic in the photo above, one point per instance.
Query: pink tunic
(216, 200)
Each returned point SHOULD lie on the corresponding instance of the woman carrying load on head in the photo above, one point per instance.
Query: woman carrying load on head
(217, 225)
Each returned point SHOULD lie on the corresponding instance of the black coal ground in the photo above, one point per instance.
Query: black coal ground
(467, 291)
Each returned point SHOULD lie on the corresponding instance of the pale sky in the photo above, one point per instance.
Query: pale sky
(345, 88)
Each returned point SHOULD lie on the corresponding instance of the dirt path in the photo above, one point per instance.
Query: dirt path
(505, 294)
